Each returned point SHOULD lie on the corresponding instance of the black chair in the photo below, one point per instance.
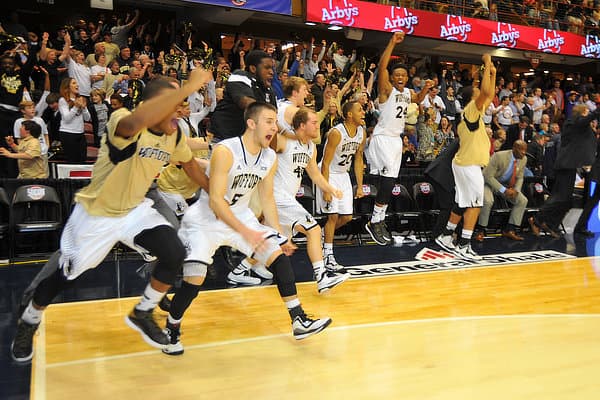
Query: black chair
(427, 203)
(4, 224)
(363, 208)
(403, 213)
(35, 217)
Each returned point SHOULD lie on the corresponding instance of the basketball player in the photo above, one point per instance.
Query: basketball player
(112, 209)
(238, 167)
(472, 156)
(295, 90)
(294, 156)
(385, 146)
(345, 142)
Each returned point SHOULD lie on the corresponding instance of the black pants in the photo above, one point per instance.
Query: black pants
(559, 203)
(8, 166)
(75, 147)
(445, 204)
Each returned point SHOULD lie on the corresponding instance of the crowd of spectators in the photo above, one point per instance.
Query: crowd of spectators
(93, 67)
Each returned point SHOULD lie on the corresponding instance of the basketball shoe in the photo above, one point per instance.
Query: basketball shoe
(174, 348)
(303, 326)
(144, 323)
(21, 348)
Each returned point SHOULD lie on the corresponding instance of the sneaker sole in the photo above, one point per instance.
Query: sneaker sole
(334, 284)
(373, 236)
(314, 332)
(233, 282)
(20, 359)
(263, 276)
(176, 352)
(146, 338)
(443, 246)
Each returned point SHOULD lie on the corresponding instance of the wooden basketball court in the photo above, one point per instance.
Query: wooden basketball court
(525, 331)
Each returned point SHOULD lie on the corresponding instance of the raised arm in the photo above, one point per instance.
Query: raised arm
(383, 82)
(158, 108)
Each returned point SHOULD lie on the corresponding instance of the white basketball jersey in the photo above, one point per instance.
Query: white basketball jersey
(245, 173)
(281, 107)
(291, 163)
(346, 149)
(392, 113)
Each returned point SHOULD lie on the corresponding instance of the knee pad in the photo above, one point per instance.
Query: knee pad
(194, 268)
(162, 241)
(182, 299)
(384, 190)
(284, 276)
(458, 210)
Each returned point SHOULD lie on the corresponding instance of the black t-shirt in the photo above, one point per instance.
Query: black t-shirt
(228, 118)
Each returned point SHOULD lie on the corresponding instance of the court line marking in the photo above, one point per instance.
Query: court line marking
(335, 328)
(271, 286)
(39, 368)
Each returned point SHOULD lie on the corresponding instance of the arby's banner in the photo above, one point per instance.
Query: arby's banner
(378, 17)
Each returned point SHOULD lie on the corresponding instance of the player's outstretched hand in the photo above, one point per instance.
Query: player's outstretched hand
(398, 37)
(198, 77)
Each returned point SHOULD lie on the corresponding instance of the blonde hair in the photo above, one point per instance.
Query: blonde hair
(99, 92)
(293, 83)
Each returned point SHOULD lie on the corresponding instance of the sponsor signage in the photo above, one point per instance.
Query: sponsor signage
(272, 6)
(379, 17)
(429, 260)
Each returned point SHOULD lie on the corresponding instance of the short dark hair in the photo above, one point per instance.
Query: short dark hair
(398, 65)
(33, 128)
(347, 107)
(254, 109)
(255, 57)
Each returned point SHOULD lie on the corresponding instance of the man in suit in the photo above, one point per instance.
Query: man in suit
(504, 175)
(578, 148)
(439, 174)
(521, 131)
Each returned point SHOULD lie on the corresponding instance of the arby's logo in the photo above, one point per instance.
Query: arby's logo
(505, 36)
(456, 28)
(339, 12)
(551, 42)
(400, 19)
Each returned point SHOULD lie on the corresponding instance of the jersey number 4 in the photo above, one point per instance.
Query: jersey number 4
(299, 171)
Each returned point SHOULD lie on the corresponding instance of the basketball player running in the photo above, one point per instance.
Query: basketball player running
(113, 208)
(238, 167)
(294, 156)
(385, 146)
(295, 90)
(345, 142)
(472, 156)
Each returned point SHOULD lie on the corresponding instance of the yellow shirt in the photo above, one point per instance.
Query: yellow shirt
(173, 179)
(474, 145)
(126, 167)
(35, 168)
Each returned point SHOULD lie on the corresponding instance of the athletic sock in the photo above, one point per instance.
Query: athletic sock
(149, 299)
(327, 249)
(465, 237)
(32, 315)
(378, 214)
(294, 308)
(318, 267)
(450, 228)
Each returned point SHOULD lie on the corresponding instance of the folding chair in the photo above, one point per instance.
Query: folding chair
(36, 214)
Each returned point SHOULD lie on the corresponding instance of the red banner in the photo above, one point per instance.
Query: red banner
(378, 17)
